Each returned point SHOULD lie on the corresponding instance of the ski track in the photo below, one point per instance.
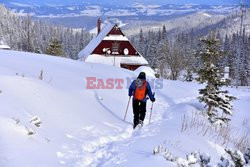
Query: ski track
(98, 148)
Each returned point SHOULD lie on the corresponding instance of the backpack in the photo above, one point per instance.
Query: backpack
(140, 89)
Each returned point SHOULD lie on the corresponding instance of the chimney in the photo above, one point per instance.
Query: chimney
(99, 25)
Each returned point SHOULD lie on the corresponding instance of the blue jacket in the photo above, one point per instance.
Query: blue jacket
(132, 88)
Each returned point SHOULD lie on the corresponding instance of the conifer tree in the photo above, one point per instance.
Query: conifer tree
(163, 54)
(141, 43)
(212, 95)
(54, 48)
(164, 32)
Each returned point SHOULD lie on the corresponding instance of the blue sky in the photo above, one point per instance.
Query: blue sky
(122, 2)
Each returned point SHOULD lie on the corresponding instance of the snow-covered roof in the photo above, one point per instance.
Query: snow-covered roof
(95, 42)
(115, 38)
(117, 60)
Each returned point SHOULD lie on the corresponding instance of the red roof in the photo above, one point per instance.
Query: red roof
(111, 42)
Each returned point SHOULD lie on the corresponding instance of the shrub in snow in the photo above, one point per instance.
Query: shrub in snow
(16, 120)
(37, 50)
(168, 156)
(247, 156)
(36, 121)
(160, 150)
(192, 158)
(41, 75)
(209, 73)
(237, 157)
(182, 162)
(224, 162)
(196, 159)
(30, 131)
(204, 160)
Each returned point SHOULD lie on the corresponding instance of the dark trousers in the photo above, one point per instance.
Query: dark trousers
(139, 110)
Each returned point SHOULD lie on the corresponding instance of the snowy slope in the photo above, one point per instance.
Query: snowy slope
(84, 127)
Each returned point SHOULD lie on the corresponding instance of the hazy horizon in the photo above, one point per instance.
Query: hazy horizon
(128, 2)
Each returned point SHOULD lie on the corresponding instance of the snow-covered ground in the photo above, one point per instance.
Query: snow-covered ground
(84, 127)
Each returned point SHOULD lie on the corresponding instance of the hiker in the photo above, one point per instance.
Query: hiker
(139, 89)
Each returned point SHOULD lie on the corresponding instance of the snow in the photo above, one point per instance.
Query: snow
(115, 38)
(72, 8)
(148, 70)
(206, 14)
(4, 47)
(24, 14)
(91, 12)
(84, 127)
(117, 60)
(120, 12)
(105, 22)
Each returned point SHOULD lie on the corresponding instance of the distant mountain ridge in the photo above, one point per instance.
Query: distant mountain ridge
(91, 10)
(124, 2)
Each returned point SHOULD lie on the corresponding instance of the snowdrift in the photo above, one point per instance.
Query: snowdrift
(49, 118)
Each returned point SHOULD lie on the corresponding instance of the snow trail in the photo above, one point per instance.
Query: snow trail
(110, 152)
(100, 148)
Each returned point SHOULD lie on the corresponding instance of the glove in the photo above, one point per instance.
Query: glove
(153, 99)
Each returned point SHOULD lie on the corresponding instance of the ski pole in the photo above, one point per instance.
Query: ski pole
(127, 108)
(151, 110)
(151, 113)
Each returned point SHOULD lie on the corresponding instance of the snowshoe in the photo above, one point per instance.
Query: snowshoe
(141, 123)
(138, 126)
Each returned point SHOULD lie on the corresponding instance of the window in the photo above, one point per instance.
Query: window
(115, 48)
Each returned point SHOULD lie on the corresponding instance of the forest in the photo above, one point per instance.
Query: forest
(25, 33)
(173, 55)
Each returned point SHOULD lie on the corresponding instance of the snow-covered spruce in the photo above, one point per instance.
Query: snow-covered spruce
(237, 157)
(234, 159)
(208, 72)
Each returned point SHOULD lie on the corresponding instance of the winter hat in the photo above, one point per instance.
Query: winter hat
(142, 75)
